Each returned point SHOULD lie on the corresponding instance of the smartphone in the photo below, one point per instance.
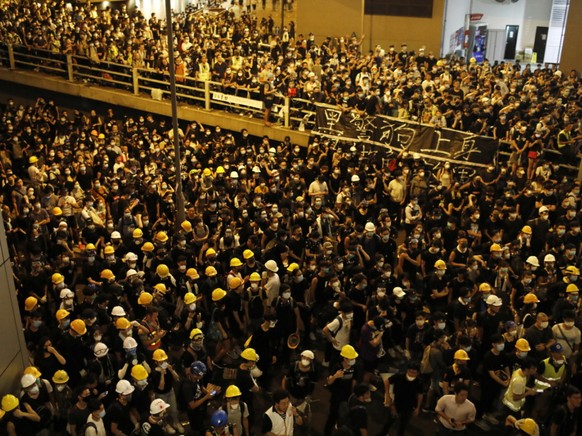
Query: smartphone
(213, 393)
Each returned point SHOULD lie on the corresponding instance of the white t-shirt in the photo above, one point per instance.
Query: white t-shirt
(343, 334)
(567, 338)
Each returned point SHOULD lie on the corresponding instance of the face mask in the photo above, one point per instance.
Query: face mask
(381, 294)
(60, 388)
(569, 324)
(299, 278)
(351, 362)
(522, 354)
(544, 324)
(235, 406)
(305, 362)
(102, 414)
(500, 347)
(409, 378)
(34, 390)
(142, 383)
(286, 295)
(559, 362)
(441, 325)
(469, 348)
(36, 323)
(164, 365)
(192, 307)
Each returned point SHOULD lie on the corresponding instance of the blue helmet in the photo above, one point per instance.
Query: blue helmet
(198, 368)
(218, 418)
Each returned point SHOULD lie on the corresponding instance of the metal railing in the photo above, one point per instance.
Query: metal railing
(292, 112)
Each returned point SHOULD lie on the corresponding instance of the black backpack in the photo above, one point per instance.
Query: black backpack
(86, 427)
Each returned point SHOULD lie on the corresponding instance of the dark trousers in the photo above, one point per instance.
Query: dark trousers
(334, 405)
(403, 419)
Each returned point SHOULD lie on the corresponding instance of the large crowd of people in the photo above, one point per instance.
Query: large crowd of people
(293, 267)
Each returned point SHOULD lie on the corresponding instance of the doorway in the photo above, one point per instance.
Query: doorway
(510, 41)
(540, 43)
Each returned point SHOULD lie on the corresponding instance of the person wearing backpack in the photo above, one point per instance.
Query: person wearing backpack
(95, 425)
(353, 413)
(338, 331)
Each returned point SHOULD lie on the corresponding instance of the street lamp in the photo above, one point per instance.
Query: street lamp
(180, 212)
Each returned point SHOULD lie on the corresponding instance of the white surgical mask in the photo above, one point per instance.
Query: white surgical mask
(409, 378)
(305, 362)
(500, 347)
(544, 324)
(164, 365)
(286, 295)
(441, 325)
(351, 362)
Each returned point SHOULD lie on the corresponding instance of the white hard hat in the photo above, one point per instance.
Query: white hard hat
(100, 349)
(124, 387)
(271, 265)
(158, 406)
(549, 258)
(116, 235)
(27, 380)
(532, 260)
(131, 256)
(370, 227)
(355, 178)
(493, 300)
(118, 311)
(234, 175)
(130, 272)
(129, 342)
(66, 293)
(308, 354)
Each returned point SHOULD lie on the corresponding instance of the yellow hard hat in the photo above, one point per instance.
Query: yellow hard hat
(530, 298)
(528, 426)
(109, 250)
(527, 230)
(62, 314)
(522, 345)
(235, 282)
(255, 277)
(572, 288)
(461, 355)
(235, 261)
(107, 274)
(495, 247)
(32, 159)
(195, 333)
(161, 288)
(192, 273)
(60, 377)
(145, 298)
(440, 264)
(161, 236)
(210, 252)
(9, 402)
(147, 247)
(139, 372)
(232, 391)
(159, 355)
(210, 271)
(293, 267)
(79, 327)
(189, 298)
(137, 233)
(571, 269)
(485, 287)
(57, 278)
(122, 323)
(32, 370)
(348, 352)
(472, 60)
(220, 170)
(218, 294)
(57, 211)
(30, 303)
(90, 246)
(206, 172)
(186, 226)
(249, 354)
(247, 254)
(162, 270)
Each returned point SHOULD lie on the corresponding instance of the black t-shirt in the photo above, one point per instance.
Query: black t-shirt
(405, 392)
(358, 415)
(566, 421)
(491, 362)
(119, 414)
(78, 417)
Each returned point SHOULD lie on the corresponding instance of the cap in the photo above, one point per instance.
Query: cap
(543, 209)
(308, 354)
(398, 292)
(557, 348)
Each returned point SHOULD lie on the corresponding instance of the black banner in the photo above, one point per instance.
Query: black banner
(388, 136)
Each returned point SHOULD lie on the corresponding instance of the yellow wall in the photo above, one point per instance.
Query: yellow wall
(415, 32)
(330, 17)
(572, 40)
